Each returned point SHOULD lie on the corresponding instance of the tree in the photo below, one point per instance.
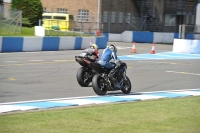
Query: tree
(31, 10)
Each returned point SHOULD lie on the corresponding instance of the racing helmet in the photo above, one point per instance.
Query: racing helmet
(94, 46)
(113, 48)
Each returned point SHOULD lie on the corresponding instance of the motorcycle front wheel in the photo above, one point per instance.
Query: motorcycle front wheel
(98, 85)
(84, 76)
(126, 89)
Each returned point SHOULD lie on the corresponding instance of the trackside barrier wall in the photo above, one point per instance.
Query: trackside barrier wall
(147, 37)
(186, 46)
(160, 37)
(0, 43)
(143, 37)
(25, 44)
(197, 36)
(115, 37)
(12, 44)
(127, 36)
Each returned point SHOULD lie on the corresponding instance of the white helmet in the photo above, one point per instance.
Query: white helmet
(113, 48)
(94, 46)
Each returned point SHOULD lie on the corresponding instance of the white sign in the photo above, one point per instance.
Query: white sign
(39, 31)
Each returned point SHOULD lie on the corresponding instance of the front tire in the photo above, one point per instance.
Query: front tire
(83, 76)
(98, 85)
(126, 89)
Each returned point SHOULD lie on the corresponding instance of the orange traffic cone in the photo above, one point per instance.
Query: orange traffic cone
(133, 48)
(153, 49)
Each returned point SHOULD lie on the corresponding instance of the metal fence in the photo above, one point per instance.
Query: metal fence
(109, 23)
(90, 28)
(188, 29)
(113, 24)
(10, 21)
(71, 28)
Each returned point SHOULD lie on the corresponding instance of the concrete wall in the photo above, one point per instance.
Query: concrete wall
(115, 37)
(127, 36)
(143, 37)
(25, 44)
(147, 37)
(190, 45)
(186, 46)
(160, 37)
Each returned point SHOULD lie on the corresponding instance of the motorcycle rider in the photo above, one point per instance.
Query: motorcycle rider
(109, 53)
(92, 51)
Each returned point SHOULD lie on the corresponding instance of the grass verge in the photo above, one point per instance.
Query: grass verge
(25, 32)
(31, 32)
(179, 115)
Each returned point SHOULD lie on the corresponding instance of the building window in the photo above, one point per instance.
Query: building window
(62, 10)
(181, 4)
(189, 19)
(113, 16)
(170, 20)
(128, 16)
(120, 17)
(135, 19)
(44, 9)
(105, 16)
(83, 15)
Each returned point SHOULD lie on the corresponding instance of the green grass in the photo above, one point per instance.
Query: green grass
(31, 32)
(25, 32)
(180, 115)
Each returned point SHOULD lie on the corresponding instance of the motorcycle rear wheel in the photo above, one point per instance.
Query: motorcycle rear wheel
(126, 89)
(83, 76)
(98, 85)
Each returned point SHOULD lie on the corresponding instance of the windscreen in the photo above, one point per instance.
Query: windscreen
(60, 17)
(46, 17)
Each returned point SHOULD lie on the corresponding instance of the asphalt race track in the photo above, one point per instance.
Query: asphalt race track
(26, 76)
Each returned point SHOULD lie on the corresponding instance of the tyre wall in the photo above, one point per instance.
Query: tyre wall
(25, 44)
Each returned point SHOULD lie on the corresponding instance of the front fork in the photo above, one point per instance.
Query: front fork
(124, 73)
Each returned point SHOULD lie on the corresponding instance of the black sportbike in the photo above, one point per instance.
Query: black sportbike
(101, 83)
(85, 73)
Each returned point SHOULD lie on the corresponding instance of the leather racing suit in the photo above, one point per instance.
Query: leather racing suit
(104, 60)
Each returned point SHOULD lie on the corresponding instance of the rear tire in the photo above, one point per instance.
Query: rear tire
(83, 76)
(98, 85)
(126, 86)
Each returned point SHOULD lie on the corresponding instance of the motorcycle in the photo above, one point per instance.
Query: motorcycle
(85, 73)
(101, 83)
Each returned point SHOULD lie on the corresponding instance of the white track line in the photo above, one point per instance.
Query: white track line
(70, 98)
(184, 73)
(35, 60)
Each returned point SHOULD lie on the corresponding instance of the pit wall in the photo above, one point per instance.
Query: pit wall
(147, 37)
(27, 44)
